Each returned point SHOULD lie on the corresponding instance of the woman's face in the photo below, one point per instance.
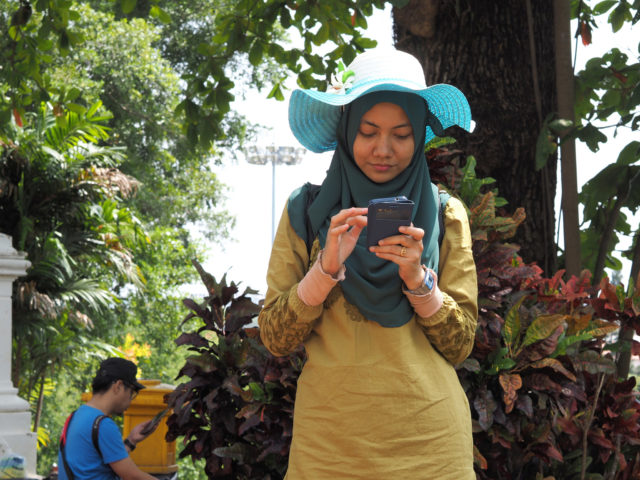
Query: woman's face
(384, 144)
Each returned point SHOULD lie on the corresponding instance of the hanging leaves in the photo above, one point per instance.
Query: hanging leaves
(585, 33)
(484, 404)
(510, 383)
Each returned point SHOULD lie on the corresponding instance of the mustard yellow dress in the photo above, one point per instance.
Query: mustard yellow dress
(375, 402)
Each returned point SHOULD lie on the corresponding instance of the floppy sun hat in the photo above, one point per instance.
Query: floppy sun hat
(314, 115)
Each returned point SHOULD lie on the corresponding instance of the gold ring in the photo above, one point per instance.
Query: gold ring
(403, 251)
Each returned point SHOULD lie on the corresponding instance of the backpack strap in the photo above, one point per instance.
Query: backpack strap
(63, 442)
(444, 198)
(95, 430)
(311, 194)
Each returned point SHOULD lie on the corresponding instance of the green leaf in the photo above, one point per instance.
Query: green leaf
(94, 108)
(618, 16)
(546, 143)
(285, 18)
(506, 363)
(322, 35)
(592, 136)
(223, 99)
(127, 6)
(542, 327)
(72, 94)
(630, 153)
(45, 43)
(499, 361)
(276, 92)
(604, 7)
(315, 61)
(437, 142)
(566, 342)
(366, 43)
(15, 33)
(160, 14)
(256, 52)
(74, 107)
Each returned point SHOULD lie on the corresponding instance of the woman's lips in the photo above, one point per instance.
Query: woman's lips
(380, 167)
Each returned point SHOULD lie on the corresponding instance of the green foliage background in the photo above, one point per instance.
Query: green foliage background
(111, 112)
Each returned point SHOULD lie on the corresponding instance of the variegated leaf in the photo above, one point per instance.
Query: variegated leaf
(511, 329)
(594, 363)
(542, 327)
(510, 383)
(555, 365)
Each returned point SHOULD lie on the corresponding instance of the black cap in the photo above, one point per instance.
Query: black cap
(117, 368)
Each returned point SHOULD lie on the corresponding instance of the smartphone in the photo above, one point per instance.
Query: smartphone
(385, 216)
(155, 421)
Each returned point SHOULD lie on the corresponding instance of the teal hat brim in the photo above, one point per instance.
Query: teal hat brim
(314, 115)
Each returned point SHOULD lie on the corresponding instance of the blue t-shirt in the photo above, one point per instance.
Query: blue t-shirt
(82, 456)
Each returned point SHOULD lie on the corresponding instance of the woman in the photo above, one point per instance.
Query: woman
(382, 326)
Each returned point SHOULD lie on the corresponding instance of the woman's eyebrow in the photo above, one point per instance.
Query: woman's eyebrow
(402, 125)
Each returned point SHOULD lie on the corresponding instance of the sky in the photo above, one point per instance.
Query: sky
(244, 256)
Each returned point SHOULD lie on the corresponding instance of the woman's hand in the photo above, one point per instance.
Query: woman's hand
(405, 250)
(342, 235)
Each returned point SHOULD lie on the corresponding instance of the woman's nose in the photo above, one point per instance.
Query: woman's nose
(382, 147)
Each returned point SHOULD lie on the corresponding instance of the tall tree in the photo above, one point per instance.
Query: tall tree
(503, 56)
(497, 53)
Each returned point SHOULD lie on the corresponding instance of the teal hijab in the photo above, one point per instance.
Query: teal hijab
(373, 284)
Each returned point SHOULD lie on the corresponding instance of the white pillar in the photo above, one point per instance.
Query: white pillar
(15, 416)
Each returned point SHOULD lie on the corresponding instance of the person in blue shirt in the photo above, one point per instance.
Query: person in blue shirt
(114, 387)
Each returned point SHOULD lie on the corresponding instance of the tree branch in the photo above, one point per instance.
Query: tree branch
(587, 426)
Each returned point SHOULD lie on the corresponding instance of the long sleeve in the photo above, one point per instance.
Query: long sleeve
(285, 321)
(451, 330)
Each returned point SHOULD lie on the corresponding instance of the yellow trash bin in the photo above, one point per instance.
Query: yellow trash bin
(154, 454)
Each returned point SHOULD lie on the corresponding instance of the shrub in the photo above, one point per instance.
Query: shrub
(235, 409)
(541, 381)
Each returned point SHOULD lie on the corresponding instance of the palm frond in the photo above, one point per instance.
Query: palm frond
(87, 293)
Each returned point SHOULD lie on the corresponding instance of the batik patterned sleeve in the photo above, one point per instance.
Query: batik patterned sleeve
(451, 330)
(285, 321)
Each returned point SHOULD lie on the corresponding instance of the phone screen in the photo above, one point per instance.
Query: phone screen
(156, 420)
(385, 216)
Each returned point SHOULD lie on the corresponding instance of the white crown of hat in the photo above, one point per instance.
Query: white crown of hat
(387, 65)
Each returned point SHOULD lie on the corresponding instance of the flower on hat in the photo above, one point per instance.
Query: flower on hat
(341, 81)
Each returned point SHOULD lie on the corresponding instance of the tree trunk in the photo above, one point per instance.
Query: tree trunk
(627, 332)
(503, 61)
(40, 404)
(566, 95)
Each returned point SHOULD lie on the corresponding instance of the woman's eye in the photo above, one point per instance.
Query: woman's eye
(366, 134)
(402, 137)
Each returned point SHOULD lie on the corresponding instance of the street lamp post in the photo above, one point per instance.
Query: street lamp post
(276, 156)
